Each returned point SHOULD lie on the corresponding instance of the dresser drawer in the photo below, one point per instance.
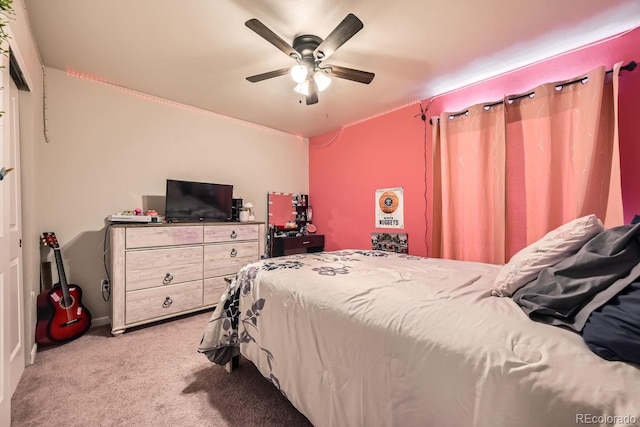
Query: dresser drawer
(227, 233)
(146, 304)
(214, 287)
(303, 241)
(145, 237)
(228, 258)
(160, 267)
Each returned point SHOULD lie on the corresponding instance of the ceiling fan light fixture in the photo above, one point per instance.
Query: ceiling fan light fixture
(322, 80)
(299, 73)
(302, 88)
(309, 51)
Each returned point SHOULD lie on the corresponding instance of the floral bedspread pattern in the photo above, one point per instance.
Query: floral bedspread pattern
(235, 320)
(229, 326)
(377, 339)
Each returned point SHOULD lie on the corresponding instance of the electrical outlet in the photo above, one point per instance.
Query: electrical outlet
(106, 288)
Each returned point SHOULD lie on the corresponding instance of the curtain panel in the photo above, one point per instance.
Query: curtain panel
(505, 175)
(469, 198)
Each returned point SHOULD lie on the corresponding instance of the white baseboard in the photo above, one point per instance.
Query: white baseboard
(100, 321)
(32, 354)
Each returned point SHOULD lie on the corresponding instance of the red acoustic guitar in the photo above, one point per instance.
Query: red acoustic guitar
(61, 315)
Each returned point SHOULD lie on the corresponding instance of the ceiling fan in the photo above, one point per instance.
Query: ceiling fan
(309, 51)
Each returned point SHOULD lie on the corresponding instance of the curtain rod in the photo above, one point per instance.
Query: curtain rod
(628, 67)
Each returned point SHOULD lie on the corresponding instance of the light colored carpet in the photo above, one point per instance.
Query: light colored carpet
(150, 376)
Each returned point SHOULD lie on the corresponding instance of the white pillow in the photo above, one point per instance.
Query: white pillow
(555, 246)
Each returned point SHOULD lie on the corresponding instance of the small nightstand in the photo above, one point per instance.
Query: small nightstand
(297, 245)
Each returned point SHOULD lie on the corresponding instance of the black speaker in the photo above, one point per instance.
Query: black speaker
(236, 205)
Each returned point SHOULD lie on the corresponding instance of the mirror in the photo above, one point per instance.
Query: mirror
(280, 209)
(288, 214)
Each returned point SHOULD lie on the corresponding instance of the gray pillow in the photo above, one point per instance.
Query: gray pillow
(567, 293)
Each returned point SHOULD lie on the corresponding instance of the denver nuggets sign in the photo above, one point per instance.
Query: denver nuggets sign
(389, 208)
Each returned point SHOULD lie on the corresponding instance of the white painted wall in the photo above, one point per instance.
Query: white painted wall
(109, 149)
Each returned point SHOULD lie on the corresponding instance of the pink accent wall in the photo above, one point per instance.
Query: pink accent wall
(346, 167)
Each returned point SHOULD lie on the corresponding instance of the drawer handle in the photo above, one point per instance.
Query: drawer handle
(167, 303)
(233, 252)
(306, 242)
(233, 234)
(167, 279)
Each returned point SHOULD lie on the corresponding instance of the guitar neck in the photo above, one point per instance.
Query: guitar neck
(61, 276)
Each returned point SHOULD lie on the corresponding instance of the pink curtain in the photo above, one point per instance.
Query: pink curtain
(469, 180)
(560, 162)
(568, 139)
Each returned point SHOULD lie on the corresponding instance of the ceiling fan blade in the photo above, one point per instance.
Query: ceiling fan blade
(312, 98)
(350, 74)
(269, 75)
(343, 32)
(264, 32)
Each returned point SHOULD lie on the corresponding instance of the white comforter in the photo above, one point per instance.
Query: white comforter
(367, 338)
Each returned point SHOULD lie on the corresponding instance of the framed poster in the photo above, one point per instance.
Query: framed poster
(389, 208)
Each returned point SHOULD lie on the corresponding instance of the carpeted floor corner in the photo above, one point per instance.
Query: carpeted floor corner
(149, 376)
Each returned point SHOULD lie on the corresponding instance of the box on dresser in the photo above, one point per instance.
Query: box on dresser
(164, 270)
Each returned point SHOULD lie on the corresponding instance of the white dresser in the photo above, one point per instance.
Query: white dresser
(160, 271)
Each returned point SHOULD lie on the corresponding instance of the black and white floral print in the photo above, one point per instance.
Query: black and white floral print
(372, 253)
(246, 279)
(237, 319)
(235, 327)
(231, 311)
(411, 257)
(337, 263)
(331, 271)
(274, 265)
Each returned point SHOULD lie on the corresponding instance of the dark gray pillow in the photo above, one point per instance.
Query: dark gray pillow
(567, 293)
(613, 330)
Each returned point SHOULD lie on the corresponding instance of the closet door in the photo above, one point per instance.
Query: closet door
(17, 345)
(12, 346)
(7, 319)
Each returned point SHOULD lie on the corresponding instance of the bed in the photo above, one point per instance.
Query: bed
(371, 338)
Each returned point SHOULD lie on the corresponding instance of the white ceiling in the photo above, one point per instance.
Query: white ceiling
(198, 52)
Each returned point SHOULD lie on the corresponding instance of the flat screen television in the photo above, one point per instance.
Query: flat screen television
(188, 201)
